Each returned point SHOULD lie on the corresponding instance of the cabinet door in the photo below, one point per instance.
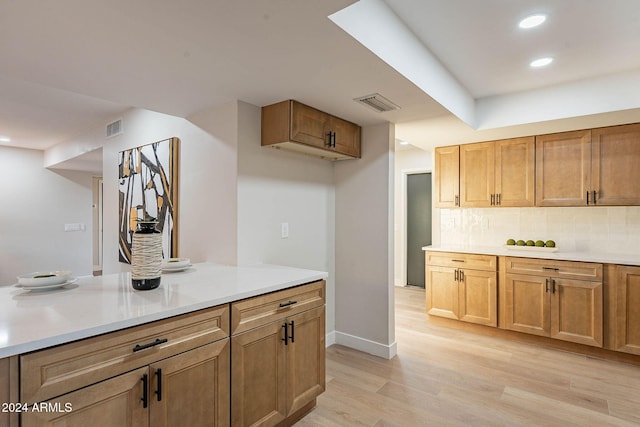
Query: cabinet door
(627, 312)
(192, 388)
(576, 311)
(615, 173)
(527, 304)
(447, 177)
(477, 294)
(305, 358)
(112, 403)
(515, 172)
(442, 292)
(477, 175)
(258, 389)
(347, 136)
(563, 163)
(308, 125)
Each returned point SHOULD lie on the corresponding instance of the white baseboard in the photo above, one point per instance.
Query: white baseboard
(362, 344)
(330, 339)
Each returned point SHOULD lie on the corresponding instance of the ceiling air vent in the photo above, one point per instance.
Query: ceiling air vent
(377, 102)
(114, 128)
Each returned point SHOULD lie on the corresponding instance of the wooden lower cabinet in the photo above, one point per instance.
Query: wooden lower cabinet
(188, 389)
(111, 403)
(461, 293)
(278, 353)
(565, 309)
(627, 310)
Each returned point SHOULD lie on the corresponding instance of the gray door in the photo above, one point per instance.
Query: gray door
(418, 225)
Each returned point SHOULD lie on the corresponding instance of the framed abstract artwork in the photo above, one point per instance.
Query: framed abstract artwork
(148, 188)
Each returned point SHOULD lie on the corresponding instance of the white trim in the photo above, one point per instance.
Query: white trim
(330, 339)
(362, 344)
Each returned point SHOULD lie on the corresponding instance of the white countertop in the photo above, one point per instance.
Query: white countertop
(95, 305)
(517, 251)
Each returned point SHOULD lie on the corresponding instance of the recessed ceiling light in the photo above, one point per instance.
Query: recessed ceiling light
(541, 62)
(5, 139)
(532, 21)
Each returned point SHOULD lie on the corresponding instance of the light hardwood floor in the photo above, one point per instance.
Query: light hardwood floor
(450, 377)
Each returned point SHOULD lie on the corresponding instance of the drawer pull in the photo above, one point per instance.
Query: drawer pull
(286, 304)
(139, 347)
(551, 268)
(145, 395)
(457, 260)
(159, 389)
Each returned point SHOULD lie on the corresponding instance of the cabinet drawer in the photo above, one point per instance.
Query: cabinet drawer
(552, 268)
(54, 371)
(257, 311)
(454, 259)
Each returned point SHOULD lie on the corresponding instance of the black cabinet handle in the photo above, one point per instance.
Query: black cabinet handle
(456, 201)
(553, 286)
(594, 197)
(286, 304)
(587, 197)
(159, 388)
(498, 199)
(551, 268)
(329, 139)
(286, 333)
(291, 337)
(457, 260)
(139, 347)
(145, 395)
(462, 275)
(493, 200)
(546, 285)
(455, 275)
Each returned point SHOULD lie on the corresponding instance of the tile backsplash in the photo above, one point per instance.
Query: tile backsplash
(614, 230)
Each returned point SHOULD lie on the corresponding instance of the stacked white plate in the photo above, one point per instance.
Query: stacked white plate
(41, 280)
(175, 264)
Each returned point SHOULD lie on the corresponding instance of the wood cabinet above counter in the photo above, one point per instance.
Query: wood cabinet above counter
(297, 127)
(592, 167)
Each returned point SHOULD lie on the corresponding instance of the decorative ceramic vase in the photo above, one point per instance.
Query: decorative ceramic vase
(146, 256)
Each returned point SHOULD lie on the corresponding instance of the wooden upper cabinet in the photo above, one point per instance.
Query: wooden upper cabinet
(476, 175)
(515, 172)
(615, 160)
(563, 162)
(294, 126)
(496, 173)
(447, 177)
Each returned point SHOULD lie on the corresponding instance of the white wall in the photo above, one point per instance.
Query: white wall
(36, 203)
(408, 161)
(364, 247)
(275, 187)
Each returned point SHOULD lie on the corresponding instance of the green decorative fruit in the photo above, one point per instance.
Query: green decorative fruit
(511, 242)
(550, 244)
(539, 243)
(530, 243)
(520, 243)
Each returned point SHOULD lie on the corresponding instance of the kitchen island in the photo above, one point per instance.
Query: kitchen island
(166, 353)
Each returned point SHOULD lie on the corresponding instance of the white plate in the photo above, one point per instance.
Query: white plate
(175, 263)
(50, 278)
(530, 248)
(45, 287)
(175, 269)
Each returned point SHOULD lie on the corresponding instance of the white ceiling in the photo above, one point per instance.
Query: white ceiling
(71, 65)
